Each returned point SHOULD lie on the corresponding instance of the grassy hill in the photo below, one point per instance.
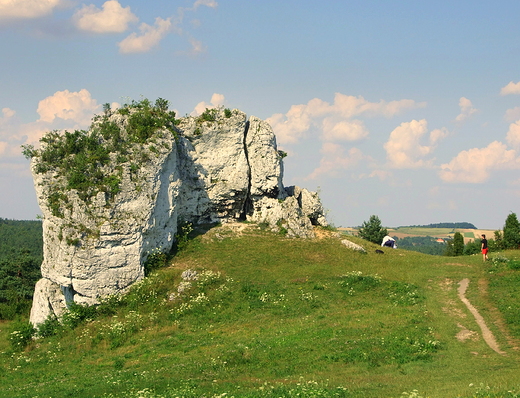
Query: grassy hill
(266, 316)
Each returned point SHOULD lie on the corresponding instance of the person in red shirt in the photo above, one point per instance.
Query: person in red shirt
(484, 248)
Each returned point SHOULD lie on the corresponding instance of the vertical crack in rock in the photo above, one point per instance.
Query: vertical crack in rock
(248, 203)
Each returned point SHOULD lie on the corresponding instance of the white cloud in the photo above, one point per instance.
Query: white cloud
(404, 149)
(76, 106)
(512, 114)
(345, 130)
(383, 175)
(510, 88)
(437, 135)
(149, 38)
(513, 135)
(27, 9)
(207, 3)
(111, 19)
(292, 126)
(63, 110)
(197, 47)
(475, 165)
(7, 114)
(334, 160)
(349, 106)
(466, 109)
(216, 101)
(3, 148)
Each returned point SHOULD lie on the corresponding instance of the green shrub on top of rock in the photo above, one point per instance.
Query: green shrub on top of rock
(85, 158)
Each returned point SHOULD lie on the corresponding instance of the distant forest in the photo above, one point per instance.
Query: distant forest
(422, 244)
(21, 254)
(459, 225)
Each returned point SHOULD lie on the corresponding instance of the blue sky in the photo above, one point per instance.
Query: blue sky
(409, 110)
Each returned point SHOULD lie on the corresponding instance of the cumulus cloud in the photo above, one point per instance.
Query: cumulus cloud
(346, 130)
(404, 148)
(510, 88)
(349, 106)
(335, 160)
(7, 114)
(216, 101)
(438, 135)
(335, 118)
(475, 165)
(512, 114)
(28, 9)
(75, 106)
(113, 18)
(466, 109)
(513, 135)
(149, 38)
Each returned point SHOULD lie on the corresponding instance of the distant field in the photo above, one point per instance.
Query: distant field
(445, 233)
(418, 231)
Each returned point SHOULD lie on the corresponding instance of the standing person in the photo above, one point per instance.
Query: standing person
(484, 248)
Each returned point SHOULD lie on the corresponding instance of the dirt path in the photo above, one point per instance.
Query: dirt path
(486, 333)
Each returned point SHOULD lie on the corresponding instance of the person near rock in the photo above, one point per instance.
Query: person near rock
(389, 242)
(484, 248)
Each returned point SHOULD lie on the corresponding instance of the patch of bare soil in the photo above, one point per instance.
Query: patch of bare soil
(326, 234)
(452, 307)
(228, 230)
(466, 334)
(487, 335)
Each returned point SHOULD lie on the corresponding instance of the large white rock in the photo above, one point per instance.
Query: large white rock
(223, 170)
(214, 168)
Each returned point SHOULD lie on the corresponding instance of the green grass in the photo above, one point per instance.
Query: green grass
(276, 317)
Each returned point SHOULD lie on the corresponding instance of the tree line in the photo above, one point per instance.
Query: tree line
(21, 254)
(453, 225)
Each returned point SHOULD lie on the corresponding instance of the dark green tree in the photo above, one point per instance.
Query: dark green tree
(473, 247)
(458, 244)
(499, 240)
(372, 230)
(511, 237)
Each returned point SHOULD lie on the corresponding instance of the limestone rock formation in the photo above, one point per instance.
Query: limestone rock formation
(107, 210)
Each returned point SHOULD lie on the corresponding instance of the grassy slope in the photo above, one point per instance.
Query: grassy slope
(280, 312)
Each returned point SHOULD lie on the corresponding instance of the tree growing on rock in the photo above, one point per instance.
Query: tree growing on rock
(372, 230)
(511, 237)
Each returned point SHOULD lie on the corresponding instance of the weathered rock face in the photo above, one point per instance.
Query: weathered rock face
(225, 169)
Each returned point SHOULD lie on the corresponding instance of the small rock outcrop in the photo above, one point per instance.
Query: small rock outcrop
(114, 195)
(353, 246)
